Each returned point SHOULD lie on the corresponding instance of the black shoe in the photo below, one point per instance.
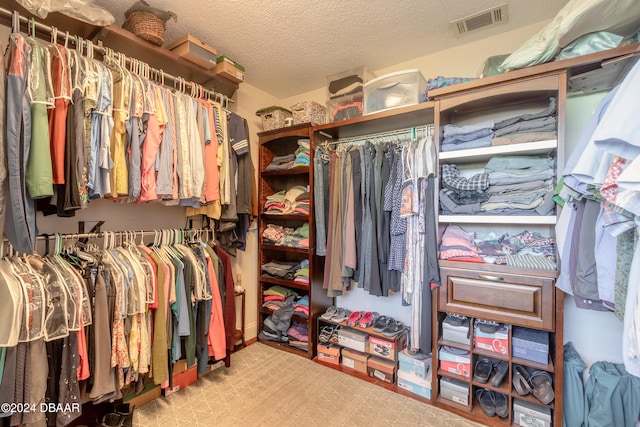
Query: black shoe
(502, 406)
(456, 320)
(499, 373)
(493, 403)
(488, 327)
(482, 369)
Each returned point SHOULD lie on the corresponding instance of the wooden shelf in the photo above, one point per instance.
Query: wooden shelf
(531, 398)
(524, 362)
(286, 283)
(484, 154)
(286, 347)
(268, 216)
(505, 388)
(499, 219)
(490, 354)
(270, 247)
(160, 58)
(301, 170)
(462, 378)
(454, 344)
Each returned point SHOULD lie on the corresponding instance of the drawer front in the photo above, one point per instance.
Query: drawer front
(518, 300)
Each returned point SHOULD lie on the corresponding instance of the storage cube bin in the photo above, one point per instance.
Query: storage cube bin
(273, 117)
(194, 50)
(393, 90)
(308, 111)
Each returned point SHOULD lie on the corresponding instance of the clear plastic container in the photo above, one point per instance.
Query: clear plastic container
(394, 90)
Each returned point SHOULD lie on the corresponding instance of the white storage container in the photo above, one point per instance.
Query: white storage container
(394, 90)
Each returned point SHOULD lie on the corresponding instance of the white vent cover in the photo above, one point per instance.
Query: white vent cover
(494, 16)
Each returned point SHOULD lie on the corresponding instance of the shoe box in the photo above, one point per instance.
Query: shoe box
(455, 360)
(528, 414)
(458, 334)
(414, 384)
(329, 353)
(387, 348)
(148, 394)
(531, 344)
(382, 369)
(353, 339)
(454, 390)
(497, 341)
(355, 360)
(417, 364)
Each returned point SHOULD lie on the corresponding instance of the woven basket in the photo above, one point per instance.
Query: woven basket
(147, 26)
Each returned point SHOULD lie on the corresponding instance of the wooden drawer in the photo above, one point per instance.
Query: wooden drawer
(516, 299)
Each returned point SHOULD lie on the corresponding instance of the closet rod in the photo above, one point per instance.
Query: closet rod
(412, 131)
(47, 29)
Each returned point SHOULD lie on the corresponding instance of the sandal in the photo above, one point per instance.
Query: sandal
(325, 334)
(353, 319)
(341, 315)
(542, 386)
(521, 380)
(381, 323)
(482, 369)
(368, 319)
(331, 311)
(492, 403)
(393, 329)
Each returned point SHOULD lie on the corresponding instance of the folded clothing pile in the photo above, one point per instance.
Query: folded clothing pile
(300, 157)
(287, 236)
(285, 270)
(294, 201)
(275, 327)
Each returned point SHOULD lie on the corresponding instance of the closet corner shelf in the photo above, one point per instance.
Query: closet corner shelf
(303, 170)
(160, 58)
(484, 154)
(498, 219)
(286, 283)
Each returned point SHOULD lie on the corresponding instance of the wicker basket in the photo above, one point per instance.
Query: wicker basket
(273, 117)
(308, 111)
(147, 26)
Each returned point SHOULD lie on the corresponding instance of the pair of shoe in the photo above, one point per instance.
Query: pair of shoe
(336, 314)
(485, 368)
(329, 334)
(456, 320)
(488, 326)
(493, 403)
(537, 382)
(389, 326)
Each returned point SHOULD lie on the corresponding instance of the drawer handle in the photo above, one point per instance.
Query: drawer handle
(488, 277)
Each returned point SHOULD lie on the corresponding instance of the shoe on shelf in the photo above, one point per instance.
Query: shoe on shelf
(354, 317)
(488, 326)
(456, 319)
(521, 380)
(542, 386)
(493, 403)
(367, 319)
(482, 369)
(333, 339)
(499, 372)
(381, 323)
(325, 334)
(331, 311)
(341, 315)
(393, 328)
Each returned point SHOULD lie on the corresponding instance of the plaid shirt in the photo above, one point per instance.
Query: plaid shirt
(451, 177)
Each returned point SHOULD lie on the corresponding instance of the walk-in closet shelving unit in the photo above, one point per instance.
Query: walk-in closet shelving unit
(280, 142)
(514, 296)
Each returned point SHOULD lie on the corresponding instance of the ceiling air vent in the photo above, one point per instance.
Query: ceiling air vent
(494, 16)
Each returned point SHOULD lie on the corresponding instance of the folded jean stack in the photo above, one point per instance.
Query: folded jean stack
(530, 127)
(526, 249)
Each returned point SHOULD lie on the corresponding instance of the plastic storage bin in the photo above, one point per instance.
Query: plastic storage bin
(308, 111)
(345, 93)
(273, 117)
(394, 90)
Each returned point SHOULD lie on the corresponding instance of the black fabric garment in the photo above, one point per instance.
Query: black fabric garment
(431, 271)
(356, 174)
(54, 359)
(375, 286)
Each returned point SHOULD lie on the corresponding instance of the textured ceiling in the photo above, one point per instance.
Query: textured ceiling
(289, 47)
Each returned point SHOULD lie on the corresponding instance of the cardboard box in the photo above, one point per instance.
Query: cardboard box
(457, 334)
(455, 360)
(414, 384)
(497, 342)
(329, 354)
(229, 71)
(416, 364)
(194, 50)
(531, 344)
(382, 369)
(387, 348)
(183, 380)
(149, 393)
(353, 339)
(355, 360)
(529, 414)
(454, 390)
